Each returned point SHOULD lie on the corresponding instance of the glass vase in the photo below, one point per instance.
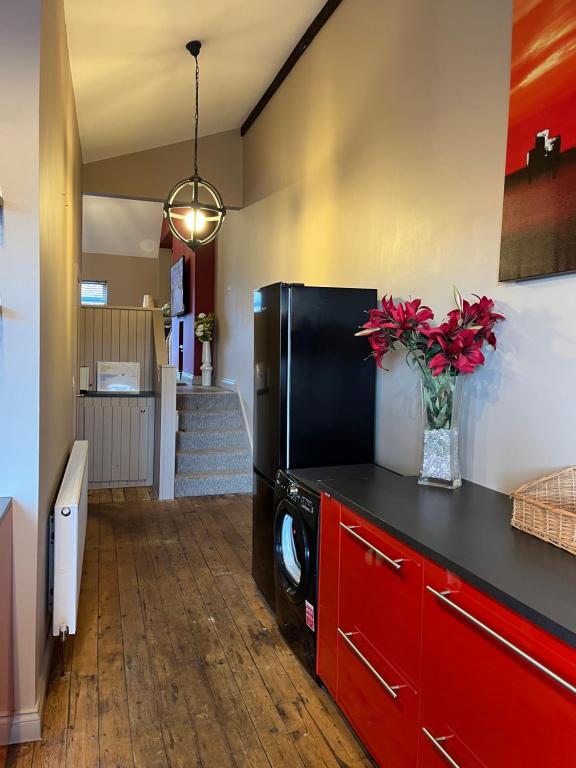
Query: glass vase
(441, 407)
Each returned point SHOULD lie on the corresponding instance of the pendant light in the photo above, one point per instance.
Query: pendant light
(194, 208)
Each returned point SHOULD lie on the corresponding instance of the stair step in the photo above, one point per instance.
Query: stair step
(196, 401)
(225, 418)
(214, 459)
(198, 439)
(212, 483)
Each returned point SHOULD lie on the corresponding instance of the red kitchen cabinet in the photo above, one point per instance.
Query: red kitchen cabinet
(430, 671)
(381, 593)
(380, 704)
(329, 563)
(496, 690)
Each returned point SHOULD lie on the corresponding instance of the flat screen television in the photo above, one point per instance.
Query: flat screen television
(177, 297)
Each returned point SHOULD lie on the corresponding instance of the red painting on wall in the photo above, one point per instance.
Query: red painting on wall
(539, 219)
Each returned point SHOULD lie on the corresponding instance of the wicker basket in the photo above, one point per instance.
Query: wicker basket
(546, 508)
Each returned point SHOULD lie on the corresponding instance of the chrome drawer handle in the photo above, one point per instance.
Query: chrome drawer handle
(396, 564)
(437, 743)
(391, 690)
(502, 640)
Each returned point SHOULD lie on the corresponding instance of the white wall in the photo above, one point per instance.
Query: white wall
(40, 179)
(20, 322)
(380, 162)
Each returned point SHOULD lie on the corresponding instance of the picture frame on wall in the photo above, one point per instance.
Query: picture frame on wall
(539, 214)
(177, 292)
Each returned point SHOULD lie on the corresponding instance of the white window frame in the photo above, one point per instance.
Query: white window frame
(94, 303)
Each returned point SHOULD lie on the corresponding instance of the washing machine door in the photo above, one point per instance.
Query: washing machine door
(292, 551)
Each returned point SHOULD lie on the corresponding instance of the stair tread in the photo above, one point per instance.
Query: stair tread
(210, 411)
(213, 473)
(204, 394)
(218, 431)
(211, 451)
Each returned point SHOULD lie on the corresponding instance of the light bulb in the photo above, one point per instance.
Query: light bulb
(195, 221)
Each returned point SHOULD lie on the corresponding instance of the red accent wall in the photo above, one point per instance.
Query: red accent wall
(199, 277)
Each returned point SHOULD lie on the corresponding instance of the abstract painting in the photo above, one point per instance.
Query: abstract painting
(539, 218)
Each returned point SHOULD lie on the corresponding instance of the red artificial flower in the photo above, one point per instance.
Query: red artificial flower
(444, 334)
(480, 317)
(463, 352)
(405, 318)
(456, 343)
(380, 345)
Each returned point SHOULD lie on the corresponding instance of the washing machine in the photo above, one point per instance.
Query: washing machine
(296, 525)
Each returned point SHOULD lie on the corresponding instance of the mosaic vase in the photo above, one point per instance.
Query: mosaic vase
(441, 407)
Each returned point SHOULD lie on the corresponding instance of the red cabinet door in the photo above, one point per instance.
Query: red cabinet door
(382, 707)
(329, 556)
(496, 690)
(381, 593)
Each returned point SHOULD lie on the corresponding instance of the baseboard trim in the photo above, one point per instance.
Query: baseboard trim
(228, 384)
(26, 724)
(187, 377)
(23, 726)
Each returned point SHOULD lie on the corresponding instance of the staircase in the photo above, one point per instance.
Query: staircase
(213, 454)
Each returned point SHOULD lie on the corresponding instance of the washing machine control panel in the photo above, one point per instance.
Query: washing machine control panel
(293, 491)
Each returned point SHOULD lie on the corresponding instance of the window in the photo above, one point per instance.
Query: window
(94, 293)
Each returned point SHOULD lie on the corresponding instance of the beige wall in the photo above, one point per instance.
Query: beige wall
(40, 176)
(20, 317)
(128, 277)
(380, 162)
(151, 174)
(60, 249)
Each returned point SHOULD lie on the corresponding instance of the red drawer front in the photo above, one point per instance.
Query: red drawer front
(388, 726)
(381, 592)
(329, 550)
(498, 708)
(440, 748)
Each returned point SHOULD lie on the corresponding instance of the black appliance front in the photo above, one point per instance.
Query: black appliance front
(314, 390)
(263, 537)
(331, 385)
(270, 365)
(313, 393)
(295, 566)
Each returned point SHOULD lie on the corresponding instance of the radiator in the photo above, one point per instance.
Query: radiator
(70, 513)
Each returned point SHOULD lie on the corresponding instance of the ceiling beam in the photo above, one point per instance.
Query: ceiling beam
(322, 17)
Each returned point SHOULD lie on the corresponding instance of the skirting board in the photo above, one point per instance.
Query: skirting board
(26, 725)
(231, 385)
(188, 378)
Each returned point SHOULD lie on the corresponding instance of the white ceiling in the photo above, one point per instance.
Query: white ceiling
(121, 227)
(134, 80)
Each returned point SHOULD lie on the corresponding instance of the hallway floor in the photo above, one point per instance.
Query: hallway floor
(178, 661)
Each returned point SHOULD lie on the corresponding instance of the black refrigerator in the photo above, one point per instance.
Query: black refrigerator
(314, 394)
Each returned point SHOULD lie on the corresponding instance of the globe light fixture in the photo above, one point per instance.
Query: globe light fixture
(194, 208)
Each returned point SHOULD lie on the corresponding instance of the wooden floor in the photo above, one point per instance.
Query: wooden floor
(178, 661)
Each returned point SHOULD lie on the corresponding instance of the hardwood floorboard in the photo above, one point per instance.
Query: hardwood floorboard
(114, 734)
(305, 733)
(242, 735)
(149, 750)
(82, 738)
(178, 661)
(20, 756)
(179, 736)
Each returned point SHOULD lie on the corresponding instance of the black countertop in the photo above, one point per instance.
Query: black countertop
(95, 393)
(467, 531)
